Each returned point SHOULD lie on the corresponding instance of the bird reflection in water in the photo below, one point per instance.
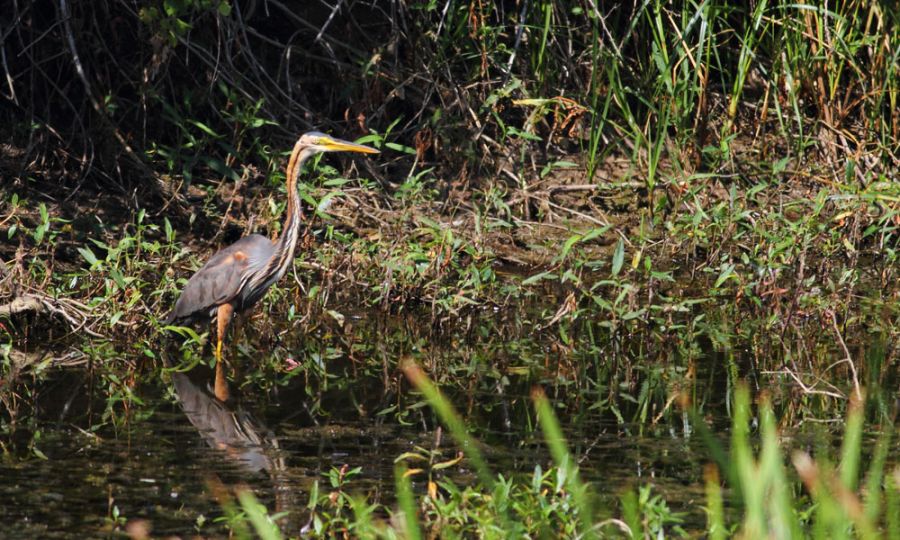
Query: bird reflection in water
(237, 434)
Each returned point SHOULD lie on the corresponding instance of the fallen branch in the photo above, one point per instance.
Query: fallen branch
(21, 359)
(73, 315)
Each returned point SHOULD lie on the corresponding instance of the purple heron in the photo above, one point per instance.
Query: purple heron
(238, 276)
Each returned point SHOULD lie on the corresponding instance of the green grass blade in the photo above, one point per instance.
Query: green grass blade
(714, 507)
(745, 467)
(458, 430)
(780, 515)
(851, 446)
(553, 436)
(450, 418)
(407, 502)
(875, 476)
(716, 452)
(259, 518)
(892, 505)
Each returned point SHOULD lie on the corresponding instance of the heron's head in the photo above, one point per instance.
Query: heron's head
(315, 142)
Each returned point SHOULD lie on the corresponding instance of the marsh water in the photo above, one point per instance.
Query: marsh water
(84, 461)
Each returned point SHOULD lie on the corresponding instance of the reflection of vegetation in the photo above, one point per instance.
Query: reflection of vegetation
(556, 503)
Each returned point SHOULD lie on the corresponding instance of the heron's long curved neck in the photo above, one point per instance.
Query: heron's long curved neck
(285, 244)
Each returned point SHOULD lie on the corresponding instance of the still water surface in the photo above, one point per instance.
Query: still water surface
(163, 462)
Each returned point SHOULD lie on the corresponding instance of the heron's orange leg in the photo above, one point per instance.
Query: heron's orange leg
(223, 317)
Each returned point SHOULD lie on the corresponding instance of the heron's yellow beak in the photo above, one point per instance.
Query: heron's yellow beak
(338, 145)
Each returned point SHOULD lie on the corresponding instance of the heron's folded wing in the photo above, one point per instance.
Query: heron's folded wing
(220, 280)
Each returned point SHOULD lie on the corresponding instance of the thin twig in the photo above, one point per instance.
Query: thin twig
(847, 357)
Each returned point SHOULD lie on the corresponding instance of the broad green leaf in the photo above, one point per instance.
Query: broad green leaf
(401, 148)
(725, 274)
(537, 277)
(220, 167)
(618, 257)
(88, 256)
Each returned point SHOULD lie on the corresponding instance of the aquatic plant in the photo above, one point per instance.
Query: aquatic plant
(557, 502)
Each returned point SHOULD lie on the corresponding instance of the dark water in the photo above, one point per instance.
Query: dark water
(164, 457)
(162, 468)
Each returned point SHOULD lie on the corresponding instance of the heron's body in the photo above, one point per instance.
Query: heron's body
(238, 276)
(219, 281)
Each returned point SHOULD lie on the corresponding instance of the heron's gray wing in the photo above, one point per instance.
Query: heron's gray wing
(219, 280)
